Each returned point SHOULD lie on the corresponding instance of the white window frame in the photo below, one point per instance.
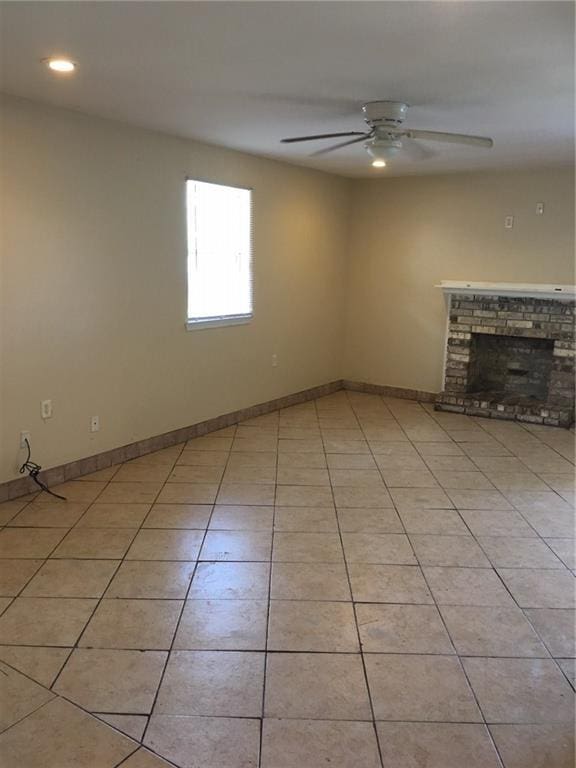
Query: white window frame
(219, 321)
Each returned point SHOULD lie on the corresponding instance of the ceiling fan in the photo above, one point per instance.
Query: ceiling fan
(387, 137)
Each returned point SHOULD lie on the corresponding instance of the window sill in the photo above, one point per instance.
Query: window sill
(217, 322)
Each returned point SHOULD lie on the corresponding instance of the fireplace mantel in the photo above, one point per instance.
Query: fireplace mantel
(530, 290)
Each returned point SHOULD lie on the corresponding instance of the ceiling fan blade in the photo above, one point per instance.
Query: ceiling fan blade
(449, 138)
(321, 136)
(415, 150)
(363, 137)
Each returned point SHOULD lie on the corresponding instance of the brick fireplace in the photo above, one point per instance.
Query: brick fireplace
(510, 352)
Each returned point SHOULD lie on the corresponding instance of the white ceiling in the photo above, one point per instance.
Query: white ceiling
(245, 74)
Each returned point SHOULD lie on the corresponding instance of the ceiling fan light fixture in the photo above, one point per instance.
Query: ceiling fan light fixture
(382, 150)
(60, 65)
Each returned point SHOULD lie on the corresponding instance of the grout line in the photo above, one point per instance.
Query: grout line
(28, 714)
(269, 601)
(177, 627)
(137, 750)
(359, 640)
(281, 652)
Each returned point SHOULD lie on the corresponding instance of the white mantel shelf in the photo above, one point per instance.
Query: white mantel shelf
(531, 290)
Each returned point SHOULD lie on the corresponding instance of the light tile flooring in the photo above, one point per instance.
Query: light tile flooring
(355, 582)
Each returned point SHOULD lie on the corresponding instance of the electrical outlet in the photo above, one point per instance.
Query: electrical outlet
(274, 361)
(46, 409)
(24, 435)
(508, 222)
(95, 424)
(539, 209)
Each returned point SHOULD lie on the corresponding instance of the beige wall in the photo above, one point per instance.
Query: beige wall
(93, 278)
(409, 233)
(93, 281)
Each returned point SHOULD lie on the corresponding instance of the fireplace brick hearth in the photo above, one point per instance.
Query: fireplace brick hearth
(510, 357)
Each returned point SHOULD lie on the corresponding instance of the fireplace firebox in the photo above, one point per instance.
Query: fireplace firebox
(510, 367)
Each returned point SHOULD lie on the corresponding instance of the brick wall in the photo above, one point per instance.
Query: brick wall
(521, 317)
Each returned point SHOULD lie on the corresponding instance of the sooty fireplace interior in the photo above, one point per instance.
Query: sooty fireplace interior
(509, 368)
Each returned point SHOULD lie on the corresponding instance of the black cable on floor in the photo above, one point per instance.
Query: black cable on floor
(33, 470)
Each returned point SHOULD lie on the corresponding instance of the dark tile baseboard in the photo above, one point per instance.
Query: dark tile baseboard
(382, 389)
(56, 475)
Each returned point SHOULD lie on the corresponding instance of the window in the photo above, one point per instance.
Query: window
(219, 254)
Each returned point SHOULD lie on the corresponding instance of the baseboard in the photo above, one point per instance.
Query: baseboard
(382, 389)
(56, 475)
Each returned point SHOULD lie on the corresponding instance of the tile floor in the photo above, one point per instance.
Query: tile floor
(356, 582)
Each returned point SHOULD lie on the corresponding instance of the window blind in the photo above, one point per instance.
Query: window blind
(219, 220)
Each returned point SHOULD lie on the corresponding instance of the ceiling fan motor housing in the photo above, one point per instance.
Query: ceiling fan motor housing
(385, 112)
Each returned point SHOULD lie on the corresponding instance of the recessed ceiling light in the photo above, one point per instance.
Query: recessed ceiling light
(60, 65)
(378, 163)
